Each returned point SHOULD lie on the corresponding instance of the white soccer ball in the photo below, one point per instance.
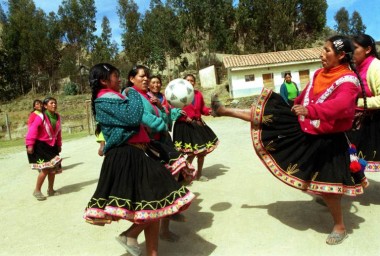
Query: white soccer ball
(179, 93)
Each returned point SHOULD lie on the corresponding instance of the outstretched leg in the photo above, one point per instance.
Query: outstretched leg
(219, 110)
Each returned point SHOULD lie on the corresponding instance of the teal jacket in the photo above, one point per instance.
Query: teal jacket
(119, 118)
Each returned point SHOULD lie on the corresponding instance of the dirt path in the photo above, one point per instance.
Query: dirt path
(241, 210)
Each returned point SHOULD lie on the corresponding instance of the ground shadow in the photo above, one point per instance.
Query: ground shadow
(220, 207)
(67, 167)
(213, 171)
(190, 243)
(76, 187)
(304, 215)
(371, 194)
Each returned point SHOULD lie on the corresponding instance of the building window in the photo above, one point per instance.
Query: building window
(268, 81)
(250, 78)
(304, 78)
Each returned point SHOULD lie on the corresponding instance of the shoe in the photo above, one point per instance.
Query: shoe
(39, 196)
(132, 249)
(336, 238)
(215, 105)
(170, 237)
(202, 178)
(178, 217)
(53, 193)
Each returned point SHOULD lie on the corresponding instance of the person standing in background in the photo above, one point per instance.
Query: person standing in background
(289, 90)
(43, 143)
(367, 136)
(191, 135)
(37, 109)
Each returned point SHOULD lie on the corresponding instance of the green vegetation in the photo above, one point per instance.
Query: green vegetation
(72, 109)
(62, 46)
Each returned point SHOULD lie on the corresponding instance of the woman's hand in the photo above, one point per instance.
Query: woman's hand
(30, 150)
(300, 110)
(154, 100)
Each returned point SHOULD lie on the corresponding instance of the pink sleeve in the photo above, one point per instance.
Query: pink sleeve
(341, 104)
(32, 134)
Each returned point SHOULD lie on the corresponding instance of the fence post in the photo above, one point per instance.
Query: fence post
(8, 126)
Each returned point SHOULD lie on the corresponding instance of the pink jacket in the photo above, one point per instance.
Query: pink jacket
(332, 110)
(41, 129)
(196, 109)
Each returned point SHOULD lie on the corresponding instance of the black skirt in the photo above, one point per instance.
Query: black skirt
(175, 161)
(313, 163)
(194, 138)
(367, 140)
(45, 157)
(135, 187)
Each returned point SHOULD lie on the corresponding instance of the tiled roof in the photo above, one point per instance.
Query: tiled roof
(259, 59)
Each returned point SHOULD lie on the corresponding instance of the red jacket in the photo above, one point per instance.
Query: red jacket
(331, 110)
(196, 109)
(42, 130)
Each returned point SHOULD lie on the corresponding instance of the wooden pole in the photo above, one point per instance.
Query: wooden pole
(88, 116)
(8, 126)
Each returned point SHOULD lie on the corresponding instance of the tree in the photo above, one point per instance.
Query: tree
(220, 18)
(343, 21)
(356, 24)
(77, 19)
(131, 37)
(245, 21)
(160, 35)
(24, 40)
(104, 50)
(272, 25)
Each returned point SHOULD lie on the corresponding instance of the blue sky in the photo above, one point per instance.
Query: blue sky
(368, 9)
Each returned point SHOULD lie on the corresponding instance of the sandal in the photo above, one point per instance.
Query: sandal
(215, 105)
(53, 193)
(336, 238)
(39, 196)
(135, 250)
(202, 178)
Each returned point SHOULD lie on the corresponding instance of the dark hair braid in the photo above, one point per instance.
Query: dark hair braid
(353, 68)
(343, 44)
(100, 71)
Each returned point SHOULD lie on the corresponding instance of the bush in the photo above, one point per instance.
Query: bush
(70, 88)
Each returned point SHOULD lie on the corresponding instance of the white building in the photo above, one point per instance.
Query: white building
(248, 74)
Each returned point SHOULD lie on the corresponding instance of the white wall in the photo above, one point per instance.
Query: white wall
(240, 88)
(207, 77)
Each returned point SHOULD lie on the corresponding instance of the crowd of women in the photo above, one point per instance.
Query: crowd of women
(306, 139)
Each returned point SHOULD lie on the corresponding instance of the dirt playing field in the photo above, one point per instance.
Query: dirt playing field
(241, 210)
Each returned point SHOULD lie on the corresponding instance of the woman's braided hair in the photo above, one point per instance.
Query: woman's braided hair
(100, 71)
(344, 44)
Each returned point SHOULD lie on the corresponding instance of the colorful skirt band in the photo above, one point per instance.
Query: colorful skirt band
(45, 157)
(313, 163)
(136, 187)
(194, 138)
